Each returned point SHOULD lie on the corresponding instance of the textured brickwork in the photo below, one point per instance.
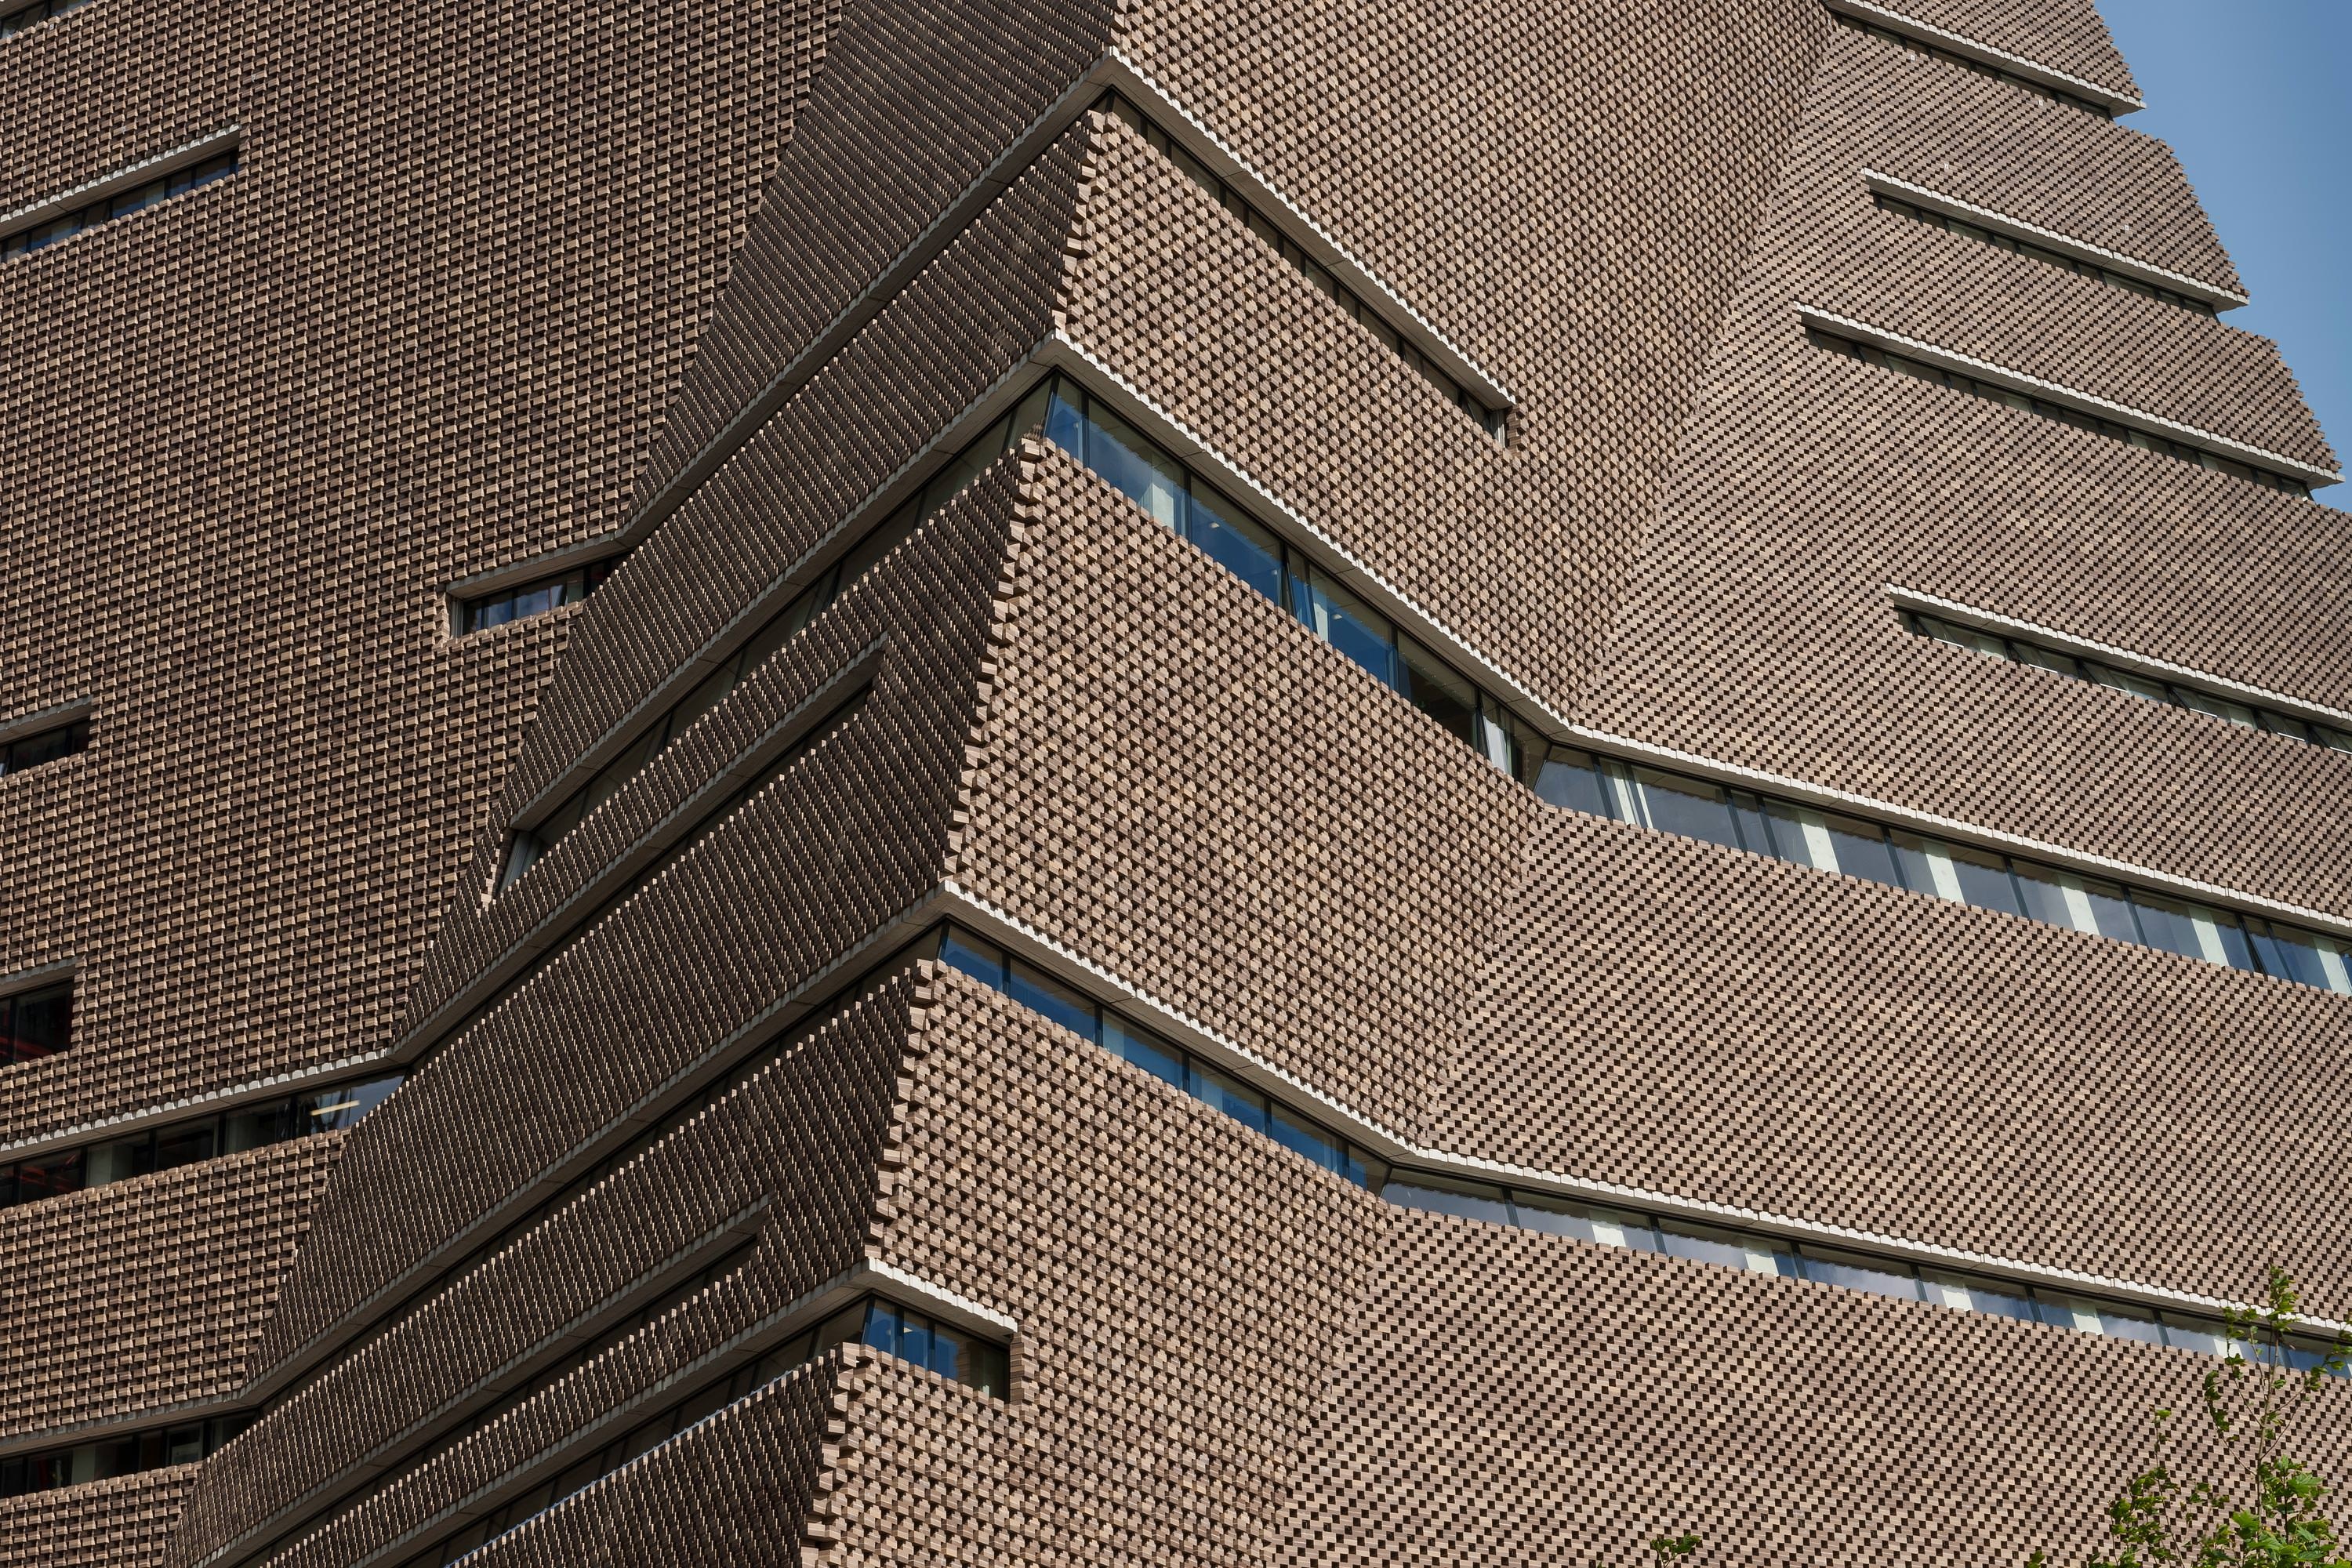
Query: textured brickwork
(120, 1523)
(252, 433)
(1514, 1398)
(148, 1293)
(1759, 633)
(489, 284)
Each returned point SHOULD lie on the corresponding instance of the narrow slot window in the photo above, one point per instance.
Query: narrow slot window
(44, 746)
(23, 17)
(1933, 50)
(2017, 246)
(533, 598)
(2114, 430)
(1495, 422)
(147, 194)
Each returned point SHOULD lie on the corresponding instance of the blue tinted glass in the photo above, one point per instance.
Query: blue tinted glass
(1862, 850)
(1311, 1142)
(1243, 1104)
(2300, 956)
(1056, 1000)
(1853, 1273)
(1571, 779)
(915, 1339)
(1686, 806)
(1347, 625)
(1153, 1055)
(948, 1356)
(1236, 543)
(982, 962)
(1463, 1198)
(882, 1327)
(1066, 422)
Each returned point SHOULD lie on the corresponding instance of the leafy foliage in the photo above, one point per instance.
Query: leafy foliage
(2270, 1512)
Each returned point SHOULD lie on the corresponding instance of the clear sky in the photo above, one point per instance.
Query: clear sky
(2255, 98)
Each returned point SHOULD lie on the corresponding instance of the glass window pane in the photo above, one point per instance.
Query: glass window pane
(1439, 1195)
(1347, 623)
(915, 1339)
(1071, 1009)
(2121, 680)
(1952, 871)
(1236, 1098)
(37, 1024)
(1964, 637)
(1135, 467)
(1066, 419)
(1968, 1293)
(974, 957)
(1602, 1227)
(1437, 691)
(1571, 779)
(1851, 1271)
(2049, 658)
(1236, 542)
(2219, 708)
(2079, 903)
(1146, 1051)
(2067, 1312)
(2205, 1339)
(1706, 1244)
(2304, 957)
(122, 1159)
(1802, 835)
(186, 1144)
(50, 1175)
(1686, 806)
(1862, 849)
(1306, 1138)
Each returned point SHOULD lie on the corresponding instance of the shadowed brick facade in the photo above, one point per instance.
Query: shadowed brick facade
(719, 292)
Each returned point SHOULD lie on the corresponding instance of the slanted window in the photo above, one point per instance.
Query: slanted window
(536, 598)
(1912, 44)
(44, 746)
(62, 225)
(15, 19)
(111, 1457)
(2018, 246)
(36, 1024)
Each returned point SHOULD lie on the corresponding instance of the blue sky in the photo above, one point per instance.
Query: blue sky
(2255, 98)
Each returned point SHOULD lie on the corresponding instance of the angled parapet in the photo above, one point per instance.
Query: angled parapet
(122, 1523)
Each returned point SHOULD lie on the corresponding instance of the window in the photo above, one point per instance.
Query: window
(2229, 709)
(44, 746)
(1843, 1268)
(2016, 246)
(993, 967)
(186, 1142)
(18, 19)
(886, 1325)
(149, 1450)
(1136, 466)
(34, 1024)
(1853, 847)
(1911, 45)
(533, 598)
(526, 846)
(121, 204)
(1495, 422)
(2133, 435)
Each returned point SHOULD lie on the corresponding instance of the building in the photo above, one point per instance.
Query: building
(1170, 782)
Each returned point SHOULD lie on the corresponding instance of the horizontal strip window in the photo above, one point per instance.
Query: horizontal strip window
(1495, 422)
(1754, 1252)
(121, 204)
(527, 845)
(1138, 467)
(2269, 721)
(23, 17)
(36, 1024)
(178, 1143)
(1897, 206)
(1762, 825)
(879, 1322)
(2114, 430)
(44, 746)
(534, 598)
(1918, 46)
(1081, 1015)
(124, 1455)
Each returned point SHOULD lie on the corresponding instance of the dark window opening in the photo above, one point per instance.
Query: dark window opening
(121, 204)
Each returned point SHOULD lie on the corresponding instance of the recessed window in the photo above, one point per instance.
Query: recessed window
(2114, 429)
(1918, 46)
(36, 1024)
(2171, 693)
(2016, 246)
(186, 1142)
(121, 204)
(1803, 835)
(151, 1451)
(18, 18)
(1495, 422)
(536, 598)
(44, 746)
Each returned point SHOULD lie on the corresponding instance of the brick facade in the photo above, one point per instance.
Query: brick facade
(722, 287)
